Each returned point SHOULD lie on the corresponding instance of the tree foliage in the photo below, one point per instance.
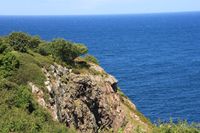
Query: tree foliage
(67, 51)
(90, 58)
(44, 49)
(20, 41)
(34, 42)
(59, 49)
(8, 63)
(2, 47)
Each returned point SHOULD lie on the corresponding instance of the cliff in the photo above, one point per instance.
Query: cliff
(88, 102)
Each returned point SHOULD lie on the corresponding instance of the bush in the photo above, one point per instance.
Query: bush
(8, 63)
(19, 41)
(6, 85)
(29, 70)
(180, 127)
(44, 49)
(90, 58)
(80, 49)
(24, 99)
(34, 42)
(2, 48)
(67, 51)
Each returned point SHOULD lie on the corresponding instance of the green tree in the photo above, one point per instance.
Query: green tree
(44, 48)
(2, 47)
(90, 58)
(8, 63)
(67, 51)
(34, 42)
(19, 41)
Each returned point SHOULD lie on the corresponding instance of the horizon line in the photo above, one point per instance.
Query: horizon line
(114, 14)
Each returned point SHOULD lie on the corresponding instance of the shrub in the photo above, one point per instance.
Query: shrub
(180, 127)
(6, 84)
(23, 99)
(90, 58)
(44, 49)
(19, 41)
(8, 63)
(2, 48)
(80, 49)
(29, 70)
(67, 51)
(34, 42)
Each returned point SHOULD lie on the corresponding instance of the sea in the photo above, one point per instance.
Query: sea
(155, 57)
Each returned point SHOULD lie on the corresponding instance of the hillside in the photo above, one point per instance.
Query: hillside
(57, 87)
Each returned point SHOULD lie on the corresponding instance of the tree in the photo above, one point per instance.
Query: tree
(19, 41)
(44, 48)
(67, 51)
(8, 63)
(34, 42)
(80, 49)
(4, 46)
(90, 58)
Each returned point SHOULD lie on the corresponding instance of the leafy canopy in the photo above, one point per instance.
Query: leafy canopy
(20, 41)
(67, 51)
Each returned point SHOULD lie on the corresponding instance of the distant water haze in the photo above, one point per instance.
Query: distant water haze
(155, 57)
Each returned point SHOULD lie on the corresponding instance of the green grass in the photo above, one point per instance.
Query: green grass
(30, 69)
(180, 127)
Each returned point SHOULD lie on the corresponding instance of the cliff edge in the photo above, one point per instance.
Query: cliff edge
(88, 102)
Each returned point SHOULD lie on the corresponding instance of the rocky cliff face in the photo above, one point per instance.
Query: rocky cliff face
(88, 102)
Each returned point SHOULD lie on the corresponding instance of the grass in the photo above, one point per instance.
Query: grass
(30, 69)
(180, 127)
(42, 61)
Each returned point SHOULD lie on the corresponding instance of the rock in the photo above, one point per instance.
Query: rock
(38, 93)
(88, 102)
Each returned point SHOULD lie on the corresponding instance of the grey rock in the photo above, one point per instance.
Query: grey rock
(88, 102)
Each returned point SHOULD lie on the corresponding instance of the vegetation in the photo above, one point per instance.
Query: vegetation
(44, 49)
(180, 127)
(21, 59)
(90, 58)
(8, 63)
(66, 51)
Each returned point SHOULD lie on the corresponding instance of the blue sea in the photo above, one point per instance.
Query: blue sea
(155, 57)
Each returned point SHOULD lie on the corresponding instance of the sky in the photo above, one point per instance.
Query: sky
(91, 7)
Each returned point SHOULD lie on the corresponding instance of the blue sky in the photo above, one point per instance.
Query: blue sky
(80, 7)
